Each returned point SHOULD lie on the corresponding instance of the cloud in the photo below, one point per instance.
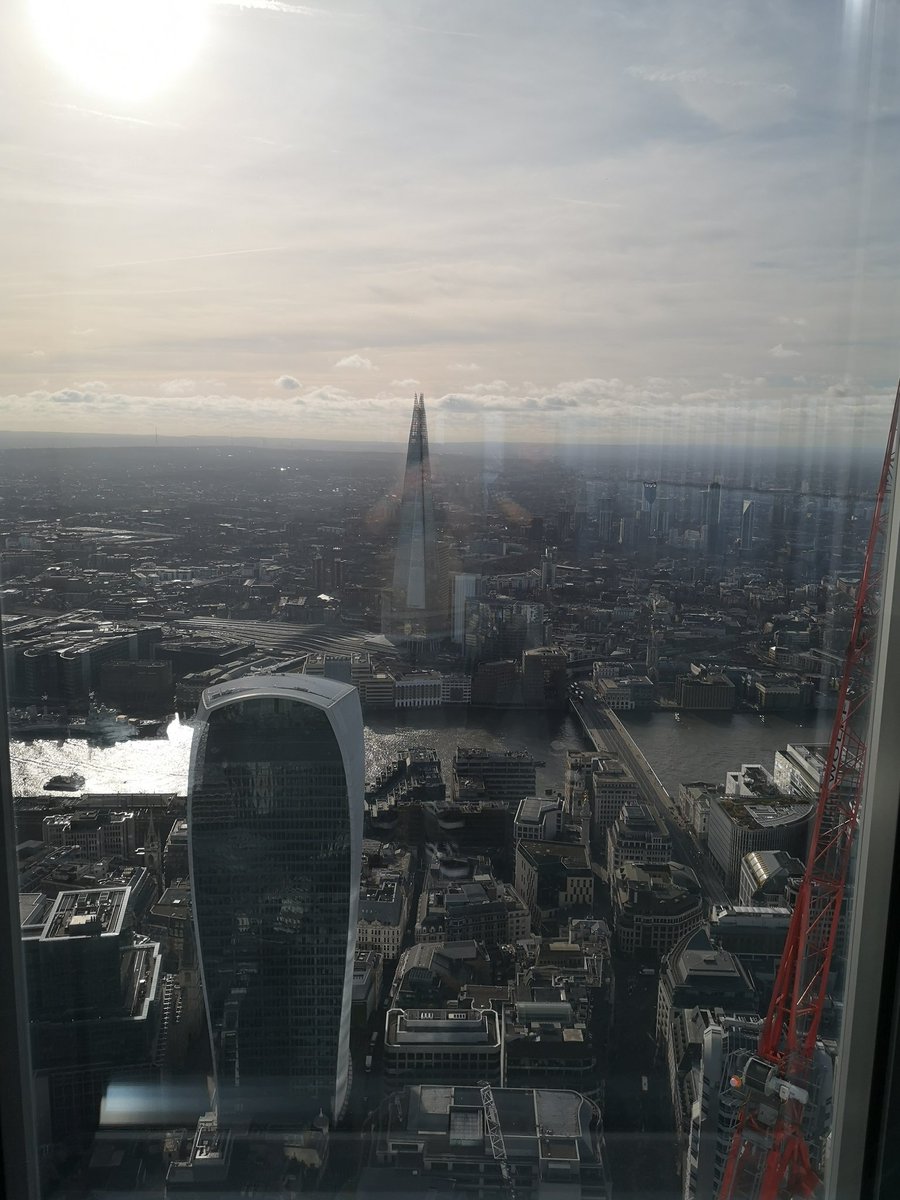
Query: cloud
(278, 6)
(178, 387)
(781, 351)
(355, 362)
(36, 354)
(798, 321)
(702, 75)
(70, 396)
(404, 383)
(463, 366)
(288, 383)
(580, 410)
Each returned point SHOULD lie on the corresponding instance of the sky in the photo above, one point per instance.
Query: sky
(562, 220)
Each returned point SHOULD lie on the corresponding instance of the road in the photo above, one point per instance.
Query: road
(608, 735)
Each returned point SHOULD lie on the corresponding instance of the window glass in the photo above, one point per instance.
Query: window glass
(439, 452)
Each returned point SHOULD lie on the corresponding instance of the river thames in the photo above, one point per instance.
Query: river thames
(692, 748)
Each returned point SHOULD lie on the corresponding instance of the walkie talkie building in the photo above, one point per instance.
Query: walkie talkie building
(275, 813)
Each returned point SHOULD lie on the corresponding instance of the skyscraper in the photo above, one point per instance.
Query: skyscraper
(416, 603)
(465, 586)
(275, 810)
(713, 500)
(747, 527)
(648, 503)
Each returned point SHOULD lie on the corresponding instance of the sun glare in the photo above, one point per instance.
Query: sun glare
(126, 50)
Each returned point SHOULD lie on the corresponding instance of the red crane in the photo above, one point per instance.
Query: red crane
(769, 1157)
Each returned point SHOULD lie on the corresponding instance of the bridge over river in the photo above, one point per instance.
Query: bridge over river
(609, 736)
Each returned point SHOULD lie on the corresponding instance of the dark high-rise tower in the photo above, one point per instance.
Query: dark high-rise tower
(713, 500)
(275, 803)
(416, 608)
(747, 527)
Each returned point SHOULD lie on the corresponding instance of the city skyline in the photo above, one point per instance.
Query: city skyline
(670, 224)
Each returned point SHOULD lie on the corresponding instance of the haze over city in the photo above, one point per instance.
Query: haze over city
(563, 222)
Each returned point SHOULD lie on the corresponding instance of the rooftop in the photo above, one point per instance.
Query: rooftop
(435, 1026)
(533, 808)
(779, 810)
(536, 1124)
(95, 912)
(314, 690)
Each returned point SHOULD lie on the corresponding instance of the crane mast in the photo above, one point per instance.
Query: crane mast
(770, 1158)
(495, 1136)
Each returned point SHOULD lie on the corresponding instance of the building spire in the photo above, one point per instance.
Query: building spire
(416, 591)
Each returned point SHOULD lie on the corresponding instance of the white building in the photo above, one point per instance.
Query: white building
(418, 689)
(737, 826)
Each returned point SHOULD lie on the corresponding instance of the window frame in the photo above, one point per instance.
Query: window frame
(864, 1081)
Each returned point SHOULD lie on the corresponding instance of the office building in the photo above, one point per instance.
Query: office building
(739, 823)
(747, 511)
(507, 775)
(480, 909)
(579, 764)
(463, 587)
(769, 877)
(654, 906)
(712, 518)
(95, 833)
(275, 809)
(554, 879)
(368, 971)
(639, 835)
(703, 691)
(459, 1043)
(648, 496)
(798, 771)
(94, 995)
(699, 973)
(429, 975)
(547, 1040)
(756, 936)
(176, 862)
(554, 1143)
(544, 679)
(611, 785)
(418, 689)
(716, 1104)
(539, 819)
(694, 800)
(415, 606)
(626, 692)
(384, 899)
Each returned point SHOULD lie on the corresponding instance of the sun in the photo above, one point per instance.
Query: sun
(125, 50)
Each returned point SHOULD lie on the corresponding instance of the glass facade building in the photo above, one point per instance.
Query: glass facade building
(275, 831)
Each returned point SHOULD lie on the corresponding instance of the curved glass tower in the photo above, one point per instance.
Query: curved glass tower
(275, 811)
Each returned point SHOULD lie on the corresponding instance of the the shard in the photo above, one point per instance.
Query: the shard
(416, 608)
